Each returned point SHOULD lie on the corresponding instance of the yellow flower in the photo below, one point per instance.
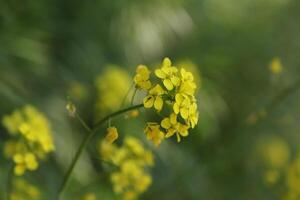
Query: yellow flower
(193, 115)
(23, 162)
(134, 145)
(182, 105)
(141, 78)
(112, 86)
(154, 133)
(177, 92)
(32, 138)
(187, 85)
(22, 190)
(112, 134)
(154, 98)
(276, 66)
(130, 178)
(168, 74)
(173, 127)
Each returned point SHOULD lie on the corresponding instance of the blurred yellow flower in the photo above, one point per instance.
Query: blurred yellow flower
(23, 162)
(112, 134)
(274, 151)
(112, 86)
(168, 74)
(22, 190)
(141, 79)
(130, 179)
(276, 66)
(32, 139)
(172, 127)
(154, 133)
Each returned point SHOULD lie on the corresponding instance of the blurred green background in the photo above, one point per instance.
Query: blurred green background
(249, 114)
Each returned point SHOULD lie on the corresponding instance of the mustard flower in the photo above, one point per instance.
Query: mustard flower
(154, 98)
(112, 86)
(23, 190)
(130, 177)
(23, 162)
(112, 134)
(32, 138)
(141, 79)
(174, 87)
(154, 133)
(168, 74)
(172, 127)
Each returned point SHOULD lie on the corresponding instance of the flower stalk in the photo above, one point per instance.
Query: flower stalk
(91, 132)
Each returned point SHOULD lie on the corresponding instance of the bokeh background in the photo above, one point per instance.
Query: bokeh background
(245, 55)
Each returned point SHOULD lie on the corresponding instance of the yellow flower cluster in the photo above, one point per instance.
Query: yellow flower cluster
(32, 139)
(22, 190)
(112, 86)
(274, 153)
(132, 160)
(172, 93)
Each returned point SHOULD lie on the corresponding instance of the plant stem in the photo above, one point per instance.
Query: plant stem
(133, 95)
(86, 139)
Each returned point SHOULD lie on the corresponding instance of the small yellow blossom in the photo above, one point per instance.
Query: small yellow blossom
(130, 178)
(276, 66)
(172, 127)
(154, 98)
(182, 105)
(23, 162)
(141, 78)
(154, 133)
(112, 134)
(168, 74)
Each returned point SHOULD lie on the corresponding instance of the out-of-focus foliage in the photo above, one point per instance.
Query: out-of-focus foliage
(244, 54)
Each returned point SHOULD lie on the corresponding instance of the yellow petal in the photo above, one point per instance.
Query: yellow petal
(173, 118)
(168, 84)
(178, 137)
(148, 101)
(184, 112)
(176, 108)
(165, 123)
(158, 104)
(166, 62)
(160, 74)
(175, 80)
(170, 133)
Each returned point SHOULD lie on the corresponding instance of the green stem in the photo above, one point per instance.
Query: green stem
(86, 139)
(133, 95)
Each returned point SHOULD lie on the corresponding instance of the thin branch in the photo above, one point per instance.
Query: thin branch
(86, 139)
